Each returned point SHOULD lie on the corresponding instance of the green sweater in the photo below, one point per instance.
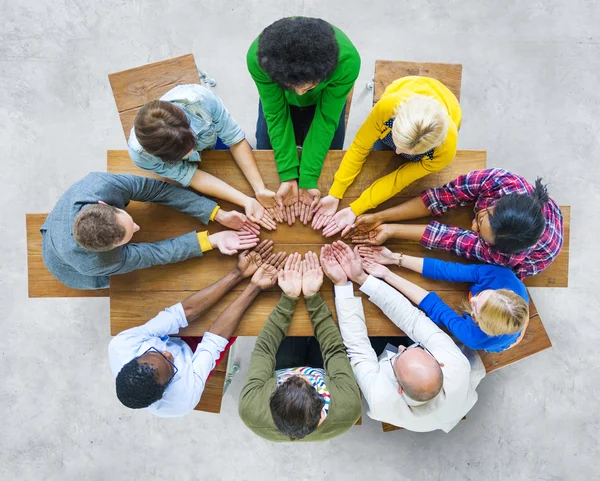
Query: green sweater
(346, 405)
(329, 97)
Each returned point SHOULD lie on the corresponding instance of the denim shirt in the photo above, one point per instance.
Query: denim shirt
(208, 120)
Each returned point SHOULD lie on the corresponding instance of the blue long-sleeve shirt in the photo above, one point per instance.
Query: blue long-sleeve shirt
(482, 276)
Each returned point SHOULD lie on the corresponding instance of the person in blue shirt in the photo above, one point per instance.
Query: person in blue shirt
(168, 135)
(497, 313)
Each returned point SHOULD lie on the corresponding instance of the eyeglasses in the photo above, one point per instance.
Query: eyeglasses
(394, 358)
(166, 359)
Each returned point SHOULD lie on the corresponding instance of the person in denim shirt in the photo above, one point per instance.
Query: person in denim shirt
(167, 138)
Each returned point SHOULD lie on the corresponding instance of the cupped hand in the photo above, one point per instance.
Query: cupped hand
(375, 237)
(308, 199)
(342, 221)
(350, 261)
(375, 269)
(257, 213)
(249, 261)
(312, 274)
(290, 277)
(229, 242)
(325, 210)
(381, 255)
(270, 201)
(364, 223)
(288, 200)
(236, 220)
(266, 275)
(332, 267)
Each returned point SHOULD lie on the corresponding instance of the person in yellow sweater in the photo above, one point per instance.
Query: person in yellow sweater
(418, 118)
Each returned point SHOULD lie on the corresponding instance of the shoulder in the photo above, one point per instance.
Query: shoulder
(189, 94)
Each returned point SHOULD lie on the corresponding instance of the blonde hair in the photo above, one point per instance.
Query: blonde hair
(420, 124)
(503, 312)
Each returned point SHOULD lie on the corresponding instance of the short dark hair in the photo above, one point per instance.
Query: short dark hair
(137, 385)
(295, 51)
(97, 229)
(296, 408)
(518, 220)
(163, 129)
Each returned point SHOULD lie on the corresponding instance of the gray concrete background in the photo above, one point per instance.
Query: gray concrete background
(529, 97)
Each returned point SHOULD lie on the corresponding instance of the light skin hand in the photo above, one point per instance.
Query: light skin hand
(236, 220)
(375, 269)
(249, 261)
(257, 213)
(266, 275)
(342, 221)
(290, 277)
(326, 208)
(380, 255)
(350, 261)
(270, 201)
(308, 201)
(375, 237)
(364, 223)
(288, 194)
(312, 277)
(229, 242)
(332, 267)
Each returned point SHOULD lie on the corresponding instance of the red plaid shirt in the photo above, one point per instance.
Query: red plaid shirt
(485, 188)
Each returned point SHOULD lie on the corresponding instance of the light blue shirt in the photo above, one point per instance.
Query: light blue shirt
(184, 392)
(208, 119)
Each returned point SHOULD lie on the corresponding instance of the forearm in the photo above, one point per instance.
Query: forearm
(411, 209)
(195, 305)
(210, 185)
(413, 263)
(412, 291)
(242, 153)
(228, 321)
(413, 232)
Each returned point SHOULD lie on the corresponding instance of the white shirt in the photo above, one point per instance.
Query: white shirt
(183, 393)
(462, 370)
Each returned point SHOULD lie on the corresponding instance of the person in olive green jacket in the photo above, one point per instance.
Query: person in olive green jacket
(294, 389)
(304, 69)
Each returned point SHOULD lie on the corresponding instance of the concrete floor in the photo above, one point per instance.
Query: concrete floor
(530, 90)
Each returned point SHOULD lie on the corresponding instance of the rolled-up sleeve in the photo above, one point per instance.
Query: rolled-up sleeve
(181, 171)
(206, 355)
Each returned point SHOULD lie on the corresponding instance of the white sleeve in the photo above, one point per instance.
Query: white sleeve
(205, 358)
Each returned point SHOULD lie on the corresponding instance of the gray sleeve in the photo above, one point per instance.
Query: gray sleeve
(144, 189)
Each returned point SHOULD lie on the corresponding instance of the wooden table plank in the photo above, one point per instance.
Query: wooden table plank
(386, 71)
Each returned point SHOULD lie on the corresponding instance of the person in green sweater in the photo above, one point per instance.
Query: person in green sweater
(304, 69)
(300, 388)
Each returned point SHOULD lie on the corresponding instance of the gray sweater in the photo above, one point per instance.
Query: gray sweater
(79, 268)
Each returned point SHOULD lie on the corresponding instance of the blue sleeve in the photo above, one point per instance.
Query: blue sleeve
(144, 189)
(227, 128)
(181, 171)
(451, 271)
(462, 327)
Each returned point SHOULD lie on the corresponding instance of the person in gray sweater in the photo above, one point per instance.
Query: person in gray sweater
(85, 239)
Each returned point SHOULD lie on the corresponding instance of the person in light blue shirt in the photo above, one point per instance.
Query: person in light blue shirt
(496, 316)
(161, 373)
(169, 134)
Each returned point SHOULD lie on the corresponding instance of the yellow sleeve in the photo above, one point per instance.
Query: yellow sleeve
(388, 186)
(203, 241)
(355, 157)
(213, 214)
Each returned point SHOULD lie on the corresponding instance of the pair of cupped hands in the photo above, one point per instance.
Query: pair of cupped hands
(305, 276)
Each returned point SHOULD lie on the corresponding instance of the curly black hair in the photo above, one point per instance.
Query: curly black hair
(295, 51)
(296, 408)
(518, 220)
(137, 386)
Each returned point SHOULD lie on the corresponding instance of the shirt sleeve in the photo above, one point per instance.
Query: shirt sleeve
(205, 358)
(450, 271)
(227, 128)
(181, 171)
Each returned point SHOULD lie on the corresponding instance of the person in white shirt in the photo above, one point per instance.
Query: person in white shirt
(427, 386)
(162, 374)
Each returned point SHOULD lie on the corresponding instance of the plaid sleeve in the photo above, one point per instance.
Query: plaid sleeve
(466, 243)
(463, 190)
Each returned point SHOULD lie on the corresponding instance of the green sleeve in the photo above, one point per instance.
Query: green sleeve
(262, 360)
(277, 114)
(335, 360)
(327, 113)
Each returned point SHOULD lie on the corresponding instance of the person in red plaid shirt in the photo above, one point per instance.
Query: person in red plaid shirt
(516, 224)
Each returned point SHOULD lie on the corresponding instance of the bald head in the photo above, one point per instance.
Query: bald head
(420, 373)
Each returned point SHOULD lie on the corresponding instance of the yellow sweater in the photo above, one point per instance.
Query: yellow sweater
(374, 128)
